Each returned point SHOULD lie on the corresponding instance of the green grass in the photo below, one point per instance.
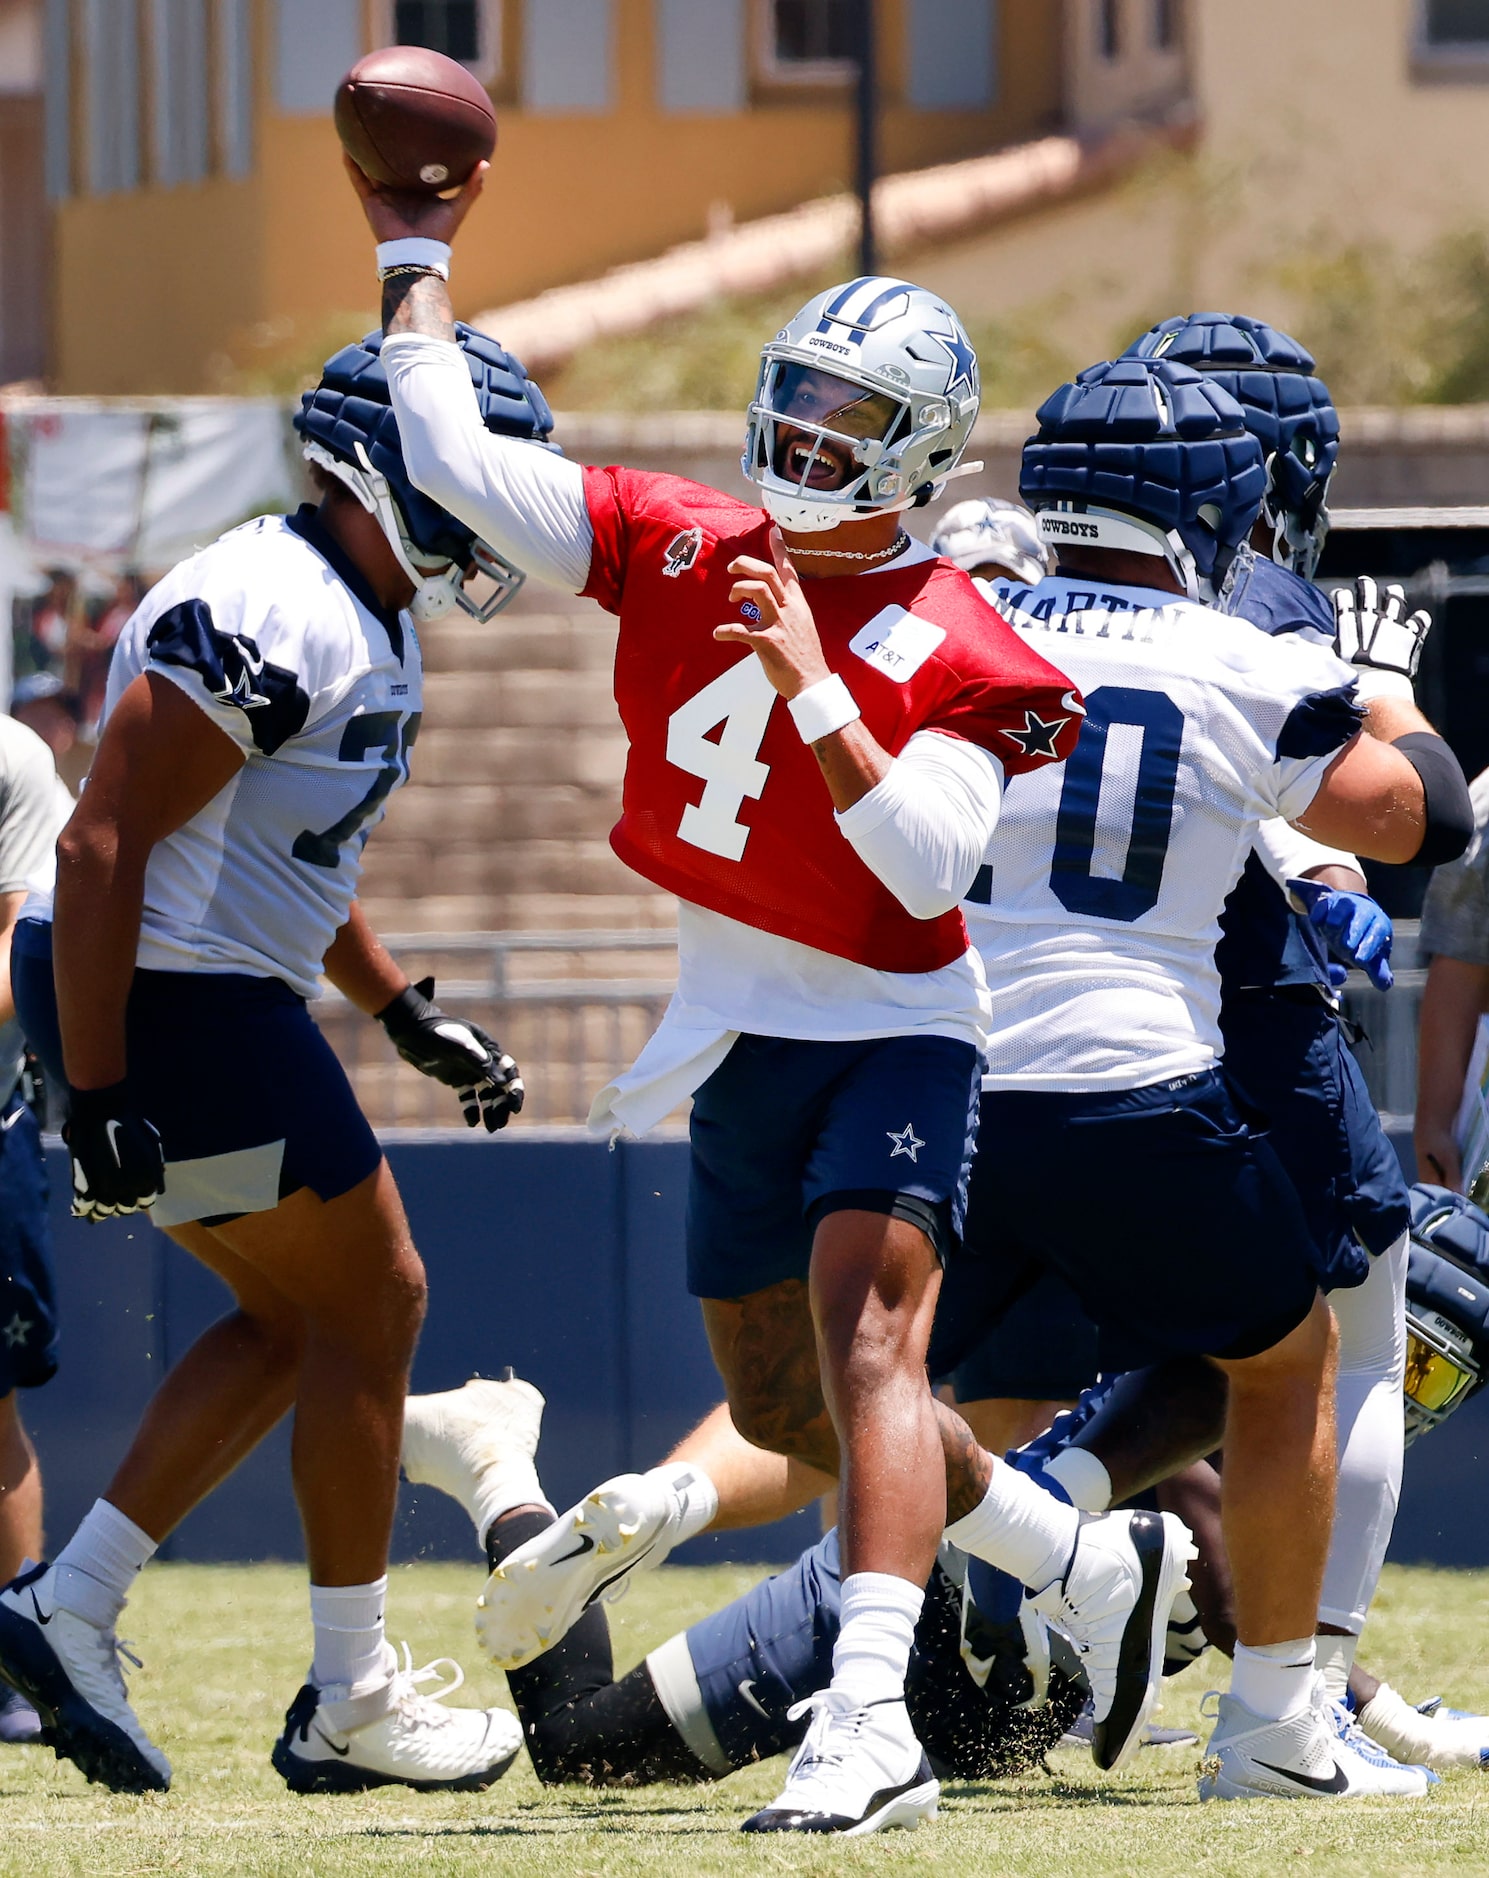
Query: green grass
(225, 1649)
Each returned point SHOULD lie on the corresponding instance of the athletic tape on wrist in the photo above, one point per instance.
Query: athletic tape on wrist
(822, 708)
(414, 251)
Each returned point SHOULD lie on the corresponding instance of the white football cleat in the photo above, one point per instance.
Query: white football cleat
(338, 1742)
(537, 1593)
(477, 1443)
(1114, 1603)
(859, 1770)
(1431, 1733)
(69, 1671)
(1309, 1755)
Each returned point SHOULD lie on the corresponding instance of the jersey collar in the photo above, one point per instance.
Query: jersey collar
(306, 523)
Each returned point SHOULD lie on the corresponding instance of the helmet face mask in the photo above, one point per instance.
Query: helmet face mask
(349, 430)
(1447, 1307)
(864, 404)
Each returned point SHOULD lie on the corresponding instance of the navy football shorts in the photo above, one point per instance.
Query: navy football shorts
(28, 1304)
(249, 1098)
(1287, 1051)
(1165, 1209)
(785, 1131)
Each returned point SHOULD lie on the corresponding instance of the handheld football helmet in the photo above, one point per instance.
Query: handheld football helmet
(989, 532)
(1447, 1307)
(1152, 458)
(349, 429)
(1288, 410)
(864, 405)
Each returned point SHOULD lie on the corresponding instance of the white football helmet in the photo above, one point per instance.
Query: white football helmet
(988, 531)
(864, 406)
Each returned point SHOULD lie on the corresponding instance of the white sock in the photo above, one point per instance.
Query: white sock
(349, 1645)
(1019, 1528)
(694, 1499)
(1274, 1680)
(1083, 1477)
(877, 1627)
(97, 1567)
(1392, 1723)
(1334, 1658)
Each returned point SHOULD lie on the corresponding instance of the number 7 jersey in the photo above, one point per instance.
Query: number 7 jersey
(278, 639)
(1098, 911)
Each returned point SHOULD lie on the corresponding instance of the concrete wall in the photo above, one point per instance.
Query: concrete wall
(557, 1257)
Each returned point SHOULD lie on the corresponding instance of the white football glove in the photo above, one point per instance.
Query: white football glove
(1373, 631)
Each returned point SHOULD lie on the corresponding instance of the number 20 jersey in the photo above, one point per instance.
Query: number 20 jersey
(1098, 913)
(723, 804)
(273, 633)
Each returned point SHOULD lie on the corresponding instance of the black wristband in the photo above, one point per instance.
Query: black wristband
(1446, 801)
(84, 1104)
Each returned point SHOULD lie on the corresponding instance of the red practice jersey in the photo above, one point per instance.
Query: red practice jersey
(723, 803)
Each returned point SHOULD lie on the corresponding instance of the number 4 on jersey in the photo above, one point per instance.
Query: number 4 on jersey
(740, 700)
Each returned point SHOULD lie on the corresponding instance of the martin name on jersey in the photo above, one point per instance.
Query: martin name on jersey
(919, 649)
(1198, 728)
(274, 634)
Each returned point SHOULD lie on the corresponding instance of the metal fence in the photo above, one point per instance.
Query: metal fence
(573, 1008)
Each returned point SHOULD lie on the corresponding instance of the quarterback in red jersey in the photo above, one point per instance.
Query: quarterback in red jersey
(817, 780)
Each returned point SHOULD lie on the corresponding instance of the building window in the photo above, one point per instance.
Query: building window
(179, 90)
(1109, 28)
(807, 42)
(449, 26)
(1449, 25)
(233, 54)
(113, 97)
(1166, 24)
(568, 57)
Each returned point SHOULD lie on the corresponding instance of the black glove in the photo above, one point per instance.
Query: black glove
(456, 1052)
(117, 1165)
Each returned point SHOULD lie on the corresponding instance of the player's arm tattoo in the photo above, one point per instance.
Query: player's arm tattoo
(418, 303)
(766, 1350)
(969, 1467)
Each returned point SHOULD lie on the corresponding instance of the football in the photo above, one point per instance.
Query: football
(413, 119)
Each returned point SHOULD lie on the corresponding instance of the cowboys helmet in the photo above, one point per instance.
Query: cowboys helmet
(1288, 410)
(989, 532)
(349, 429)
(1447, 1307)
(1151, 458)
(864, 405)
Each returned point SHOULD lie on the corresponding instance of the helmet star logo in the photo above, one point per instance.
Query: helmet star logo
(963, 358)
(905, 1142)
(1037, 738)
(16, 1331)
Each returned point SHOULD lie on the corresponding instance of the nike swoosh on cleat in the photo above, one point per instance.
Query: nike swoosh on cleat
(343, 1752)
(1338, 1782)
(42, 1617)
(586, 1544)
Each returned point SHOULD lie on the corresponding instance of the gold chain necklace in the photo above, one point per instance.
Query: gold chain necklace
(897, 546)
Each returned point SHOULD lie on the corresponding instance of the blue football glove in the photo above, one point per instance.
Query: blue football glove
(1355, 927)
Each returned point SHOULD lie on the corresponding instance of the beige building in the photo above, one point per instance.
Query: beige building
(195, 198)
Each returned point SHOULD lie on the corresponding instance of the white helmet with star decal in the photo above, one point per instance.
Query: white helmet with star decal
(865, 403)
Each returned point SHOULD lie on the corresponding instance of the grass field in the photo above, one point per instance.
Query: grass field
(225, 1650)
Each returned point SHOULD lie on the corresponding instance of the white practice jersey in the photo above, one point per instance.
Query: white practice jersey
(274, 634)
(1098, 912)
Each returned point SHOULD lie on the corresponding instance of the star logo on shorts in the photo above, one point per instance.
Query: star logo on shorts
(905, 1142)
(16, 1331)
(1037, 738)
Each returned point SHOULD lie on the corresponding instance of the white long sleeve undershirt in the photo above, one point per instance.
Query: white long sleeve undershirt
(1288, 854)
(924, 828)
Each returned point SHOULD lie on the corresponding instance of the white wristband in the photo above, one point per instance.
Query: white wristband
(822, 708)
(415, 251)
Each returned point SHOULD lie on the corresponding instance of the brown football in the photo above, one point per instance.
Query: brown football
(413, 119)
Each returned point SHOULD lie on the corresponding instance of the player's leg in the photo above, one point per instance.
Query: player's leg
(20, 1490)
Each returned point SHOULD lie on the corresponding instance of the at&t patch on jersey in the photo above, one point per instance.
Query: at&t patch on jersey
(896, 643)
